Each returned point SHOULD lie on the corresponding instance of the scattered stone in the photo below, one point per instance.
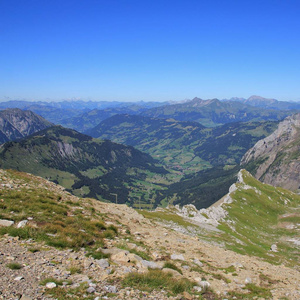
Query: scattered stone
(150, 264)
(177, 257)
(111, 289)
(248, 280)
(22, 224)
(18, 278)
(274, 248)
(102, 263)
(197, 288)
(50, 285)
(238, 265)
(198, 262)
(91, 290)
(6, 223)
(204, 284)
(125, 257)
(81, 278)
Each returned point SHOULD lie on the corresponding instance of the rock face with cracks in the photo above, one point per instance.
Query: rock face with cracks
(276, 158)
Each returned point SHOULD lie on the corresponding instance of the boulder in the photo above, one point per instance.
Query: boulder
(125, 257)
(22, 224)
(150, 264)
(6, 223)
(198, 262)
(274, 248)
(50, 285)
(203, 284)
(102, 263)
(177, 257)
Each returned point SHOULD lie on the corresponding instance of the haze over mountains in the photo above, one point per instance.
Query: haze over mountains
(192, 161)
(210, 113)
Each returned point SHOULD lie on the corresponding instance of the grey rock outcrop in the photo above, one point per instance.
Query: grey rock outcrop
(6, 223)
(16, 123)
(277, 157)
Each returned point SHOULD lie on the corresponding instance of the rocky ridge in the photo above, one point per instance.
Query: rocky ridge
(71, 270)
(16, 123)
(276, 157)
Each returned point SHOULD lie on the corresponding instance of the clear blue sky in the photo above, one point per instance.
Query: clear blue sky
(149, 50)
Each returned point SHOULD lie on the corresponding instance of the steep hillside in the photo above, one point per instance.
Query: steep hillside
(187, 147)
(276, 158)
(92, 118)
(16, 124)
(201, 189)
(57, 246)
(254, 219)
(85, 166)
(214, 112)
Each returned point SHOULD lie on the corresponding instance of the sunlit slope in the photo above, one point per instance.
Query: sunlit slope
(260, 216)
(85, 166)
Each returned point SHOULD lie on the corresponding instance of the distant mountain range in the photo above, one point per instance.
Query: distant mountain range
(181, 161)
(16, 124)
(258, 101)
(62, 112)
(83, 115)
(214, 112)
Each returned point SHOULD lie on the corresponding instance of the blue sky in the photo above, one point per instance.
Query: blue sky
(149, 50)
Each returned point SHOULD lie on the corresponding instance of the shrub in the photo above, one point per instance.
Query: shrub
(14, 266)
(157, 280)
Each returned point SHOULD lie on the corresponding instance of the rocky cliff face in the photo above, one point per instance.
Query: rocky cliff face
(16, 123)
(276, 159)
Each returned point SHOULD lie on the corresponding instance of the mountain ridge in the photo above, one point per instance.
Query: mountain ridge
(16, 124)
(84, 165)
(275, 159)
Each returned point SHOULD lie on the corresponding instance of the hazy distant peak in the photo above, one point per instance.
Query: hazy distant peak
(262, 99)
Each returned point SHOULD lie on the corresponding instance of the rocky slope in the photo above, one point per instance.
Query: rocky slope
(16, 123)
(253, 218)
(136, 244)
(276, 158)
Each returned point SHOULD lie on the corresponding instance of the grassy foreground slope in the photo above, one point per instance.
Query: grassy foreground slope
(254, 219)
(260, 216)
(116, 253)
